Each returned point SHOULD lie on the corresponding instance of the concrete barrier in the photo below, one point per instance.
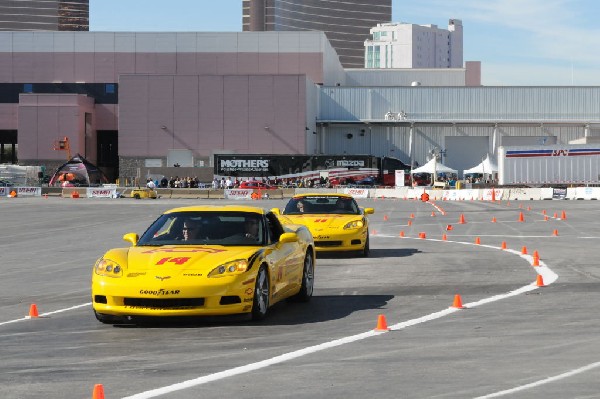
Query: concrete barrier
(194, 193)
(216, 194)
(67, 192)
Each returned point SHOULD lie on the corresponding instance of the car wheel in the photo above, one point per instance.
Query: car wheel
(308, 279)
(136, 196)
(260, 304)
(365, 252)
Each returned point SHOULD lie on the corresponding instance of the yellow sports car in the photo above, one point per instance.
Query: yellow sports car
(336, 221)
(205, 261)
(145, 192)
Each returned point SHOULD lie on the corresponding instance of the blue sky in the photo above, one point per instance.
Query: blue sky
(519, 42)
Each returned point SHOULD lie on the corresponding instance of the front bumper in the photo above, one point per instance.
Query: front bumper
(351, 240)
(190, 297)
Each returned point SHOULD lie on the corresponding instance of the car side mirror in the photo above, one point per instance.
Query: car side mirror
(132, 238)
(288, 237)
(369, 211)
(276, 211)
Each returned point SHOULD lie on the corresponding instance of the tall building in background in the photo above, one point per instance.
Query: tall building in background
(46, 15)
(346, 23)
(403, 45)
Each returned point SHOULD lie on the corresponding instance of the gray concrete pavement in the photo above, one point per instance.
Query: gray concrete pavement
(48, 247)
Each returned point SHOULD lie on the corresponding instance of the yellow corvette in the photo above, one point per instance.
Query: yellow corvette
(336, 221)
(205, 261)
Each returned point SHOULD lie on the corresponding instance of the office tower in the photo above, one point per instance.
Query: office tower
(346, 23)
(404, 45)
(44, 15)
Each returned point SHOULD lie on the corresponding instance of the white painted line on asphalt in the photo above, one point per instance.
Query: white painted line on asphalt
(542, 382)
(46, 314)
(542, 269)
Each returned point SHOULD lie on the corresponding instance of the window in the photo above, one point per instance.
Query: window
(28, 88)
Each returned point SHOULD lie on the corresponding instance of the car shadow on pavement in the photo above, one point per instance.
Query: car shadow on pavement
(318, 309)
(373, 253)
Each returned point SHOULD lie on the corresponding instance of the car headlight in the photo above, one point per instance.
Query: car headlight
(355, 224)
(108, 268)
(230, 268)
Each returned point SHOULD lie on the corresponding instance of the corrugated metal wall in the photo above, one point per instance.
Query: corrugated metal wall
(352, 120)
(457, 103)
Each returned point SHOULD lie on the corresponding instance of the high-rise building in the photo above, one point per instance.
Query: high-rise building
(45, 15)
(346, 23)
(403, 45)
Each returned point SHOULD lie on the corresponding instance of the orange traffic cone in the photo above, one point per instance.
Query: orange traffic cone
(563, 216)
(536, 261)
(493, 195)
(401, 233)
(98, 392)
(539, 281)
(545, 218)
(555, 215)
(536, 254)
(385, 218)
(75, 194)
(507, 203)
(409, 223)
(33, 310)
(12, 194)
(494, 219)
(374, 232)
(503, 246)
(461, 220)
(524, 250)
(543, 211)
(449, 227)
(457, 302)
(555, 232)
(477, 240)
(444, 238)
(432, 214)
(528, 208)
(412, 215)
(422, 236)
(381, 324)
(521, 217)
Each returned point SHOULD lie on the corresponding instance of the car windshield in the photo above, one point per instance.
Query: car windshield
(206, 228)
(321, 204)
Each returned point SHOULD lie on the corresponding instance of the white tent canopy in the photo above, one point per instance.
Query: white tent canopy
(433, 167)
(487, 166)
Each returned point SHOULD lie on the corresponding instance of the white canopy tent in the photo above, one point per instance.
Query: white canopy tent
(487, 166)
(433, 166)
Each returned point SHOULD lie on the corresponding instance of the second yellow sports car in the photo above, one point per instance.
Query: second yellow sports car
(205, 261)
(336, 221)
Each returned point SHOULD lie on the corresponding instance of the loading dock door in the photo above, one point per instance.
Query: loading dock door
(465, 152)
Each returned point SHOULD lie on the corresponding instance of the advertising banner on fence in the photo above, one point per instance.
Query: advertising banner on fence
(357, 192)
(239, 194)
(101, 192)
(29, 191)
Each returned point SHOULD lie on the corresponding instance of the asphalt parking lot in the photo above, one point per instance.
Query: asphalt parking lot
(513, 338)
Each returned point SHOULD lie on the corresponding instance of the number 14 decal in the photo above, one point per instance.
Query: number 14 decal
(177, 261)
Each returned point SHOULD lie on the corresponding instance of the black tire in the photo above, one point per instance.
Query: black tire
(365, 252)
(136, 196)
(308, 279)
(262, 293)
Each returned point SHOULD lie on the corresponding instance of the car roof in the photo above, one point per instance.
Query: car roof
(218, 208)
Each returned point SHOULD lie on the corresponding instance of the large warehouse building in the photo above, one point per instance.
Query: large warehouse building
(131, 102)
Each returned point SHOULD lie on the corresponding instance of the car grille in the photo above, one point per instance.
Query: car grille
(164, 303)
(328, 243)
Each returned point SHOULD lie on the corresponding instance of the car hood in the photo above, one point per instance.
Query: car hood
(177, 257)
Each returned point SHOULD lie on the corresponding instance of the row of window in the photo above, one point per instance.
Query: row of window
(102, 93)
